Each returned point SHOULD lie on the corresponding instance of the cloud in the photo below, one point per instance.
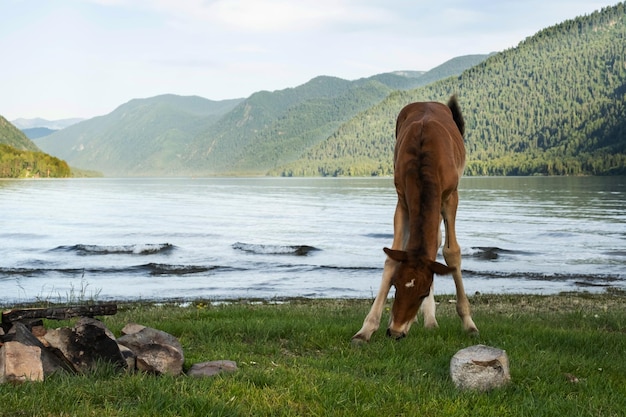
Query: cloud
(64, 54)
(273, 15)
(265, 16)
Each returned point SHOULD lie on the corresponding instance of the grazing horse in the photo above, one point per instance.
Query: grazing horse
(428, 163)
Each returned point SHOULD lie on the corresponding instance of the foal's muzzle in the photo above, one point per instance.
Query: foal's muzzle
(396, 335)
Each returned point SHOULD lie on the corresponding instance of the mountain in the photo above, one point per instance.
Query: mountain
(174, 136)
(144, 137)
(23, 124)
(273, 128)
(20, 157)
(553, 105)
(37, 132)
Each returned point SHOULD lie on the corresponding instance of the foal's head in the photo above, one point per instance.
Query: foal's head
(413, 279)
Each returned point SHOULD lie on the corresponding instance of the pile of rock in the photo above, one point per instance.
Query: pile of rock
(30, 352)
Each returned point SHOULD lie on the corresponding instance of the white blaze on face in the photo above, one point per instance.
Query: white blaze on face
(410, 284)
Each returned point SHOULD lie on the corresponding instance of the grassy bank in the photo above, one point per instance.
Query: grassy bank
(566, 353)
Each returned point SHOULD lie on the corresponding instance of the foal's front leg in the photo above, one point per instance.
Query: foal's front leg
(372, 320)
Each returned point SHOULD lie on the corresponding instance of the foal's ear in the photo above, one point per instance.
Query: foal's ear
(441, 269)
(397, 255)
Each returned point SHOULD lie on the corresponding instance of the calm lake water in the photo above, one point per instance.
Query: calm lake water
(292, 237)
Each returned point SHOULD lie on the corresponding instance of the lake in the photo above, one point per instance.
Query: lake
(274, 238)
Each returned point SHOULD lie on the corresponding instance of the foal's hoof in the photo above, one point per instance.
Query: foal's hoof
(431, 325)
(470, 327)
(358, 340)
(473, 332)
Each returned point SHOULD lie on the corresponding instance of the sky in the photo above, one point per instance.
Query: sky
(84, 58)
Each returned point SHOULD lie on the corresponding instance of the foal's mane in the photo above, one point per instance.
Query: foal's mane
(422, 173)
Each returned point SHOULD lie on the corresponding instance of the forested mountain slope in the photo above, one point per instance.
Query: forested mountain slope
(20, 157)
(271, 129)
(12, 136)
(553, 105)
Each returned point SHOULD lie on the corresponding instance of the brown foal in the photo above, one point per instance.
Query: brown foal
(428, 163)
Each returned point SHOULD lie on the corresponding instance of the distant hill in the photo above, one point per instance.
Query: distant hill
(144, 137)
(554, 105)
(176, 136)
(22, 123)
(450, 68)
(37, 132)
(399, 80)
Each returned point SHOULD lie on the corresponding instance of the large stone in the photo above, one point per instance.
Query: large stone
(61, 341)
(480, 368)
(51, 360)
(129, 357)
(86, 344)
(156, 351)
(211, 368)
(131, 328)
(19, 363)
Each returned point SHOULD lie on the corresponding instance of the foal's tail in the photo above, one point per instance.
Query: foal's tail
(453, 105)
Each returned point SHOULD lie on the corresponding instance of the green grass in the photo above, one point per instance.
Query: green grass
(296, 359)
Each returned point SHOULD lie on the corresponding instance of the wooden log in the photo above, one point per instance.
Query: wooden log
(59, 313)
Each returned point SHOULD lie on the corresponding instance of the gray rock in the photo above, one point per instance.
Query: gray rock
(156, 351)
(129, 357)
(20, 362)
(205, 369)
(51, 360)
(131, 328)
(86, 344)
(480, 368)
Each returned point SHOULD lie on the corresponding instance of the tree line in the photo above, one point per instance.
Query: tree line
(16, 163)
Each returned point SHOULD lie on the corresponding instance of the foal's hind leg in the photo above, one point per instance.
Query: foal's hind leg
(452, 255)
(428, 309)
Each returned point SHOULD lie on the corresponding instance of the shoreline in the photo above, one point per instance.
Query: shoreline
(610, 298)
